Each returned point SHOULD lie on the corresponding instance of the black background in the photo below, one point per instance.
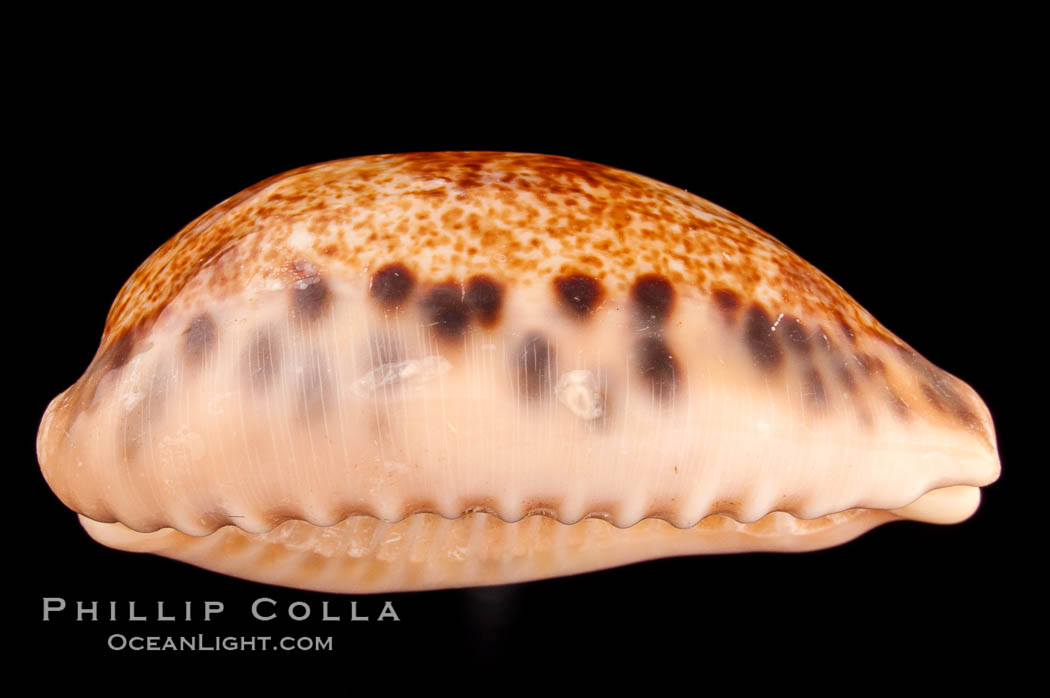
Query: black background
(886, 177)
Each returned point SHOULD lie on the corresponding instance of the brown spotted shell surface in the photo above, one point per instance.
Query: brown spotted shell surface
(451, 369)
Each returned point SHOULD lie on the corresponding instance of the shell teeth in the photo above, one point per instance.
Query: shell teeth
(363, 555)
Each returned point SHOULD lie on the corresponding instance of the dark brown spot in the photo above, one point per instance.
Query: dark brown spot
(198, 341)
(815, 388)
(310, 298)
(262, 361)
(535, 360)
(795, 334)
(118, 353)
(579, 294)
(761, 339)
(484, 297)
(445, 311)
(392, 285)
(728, 302)
(658, 366)
(653, 298)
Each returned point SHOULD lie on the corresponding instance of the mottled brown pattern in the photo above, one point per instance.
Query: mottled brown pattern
(534, 217)
(167, 271)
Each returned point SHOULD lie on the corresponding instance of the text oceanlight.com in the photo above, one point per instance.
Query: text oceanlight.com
(215, 643)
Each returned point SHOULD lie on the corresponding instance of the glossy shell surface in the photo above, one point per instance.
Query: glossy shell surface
(450, 369)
